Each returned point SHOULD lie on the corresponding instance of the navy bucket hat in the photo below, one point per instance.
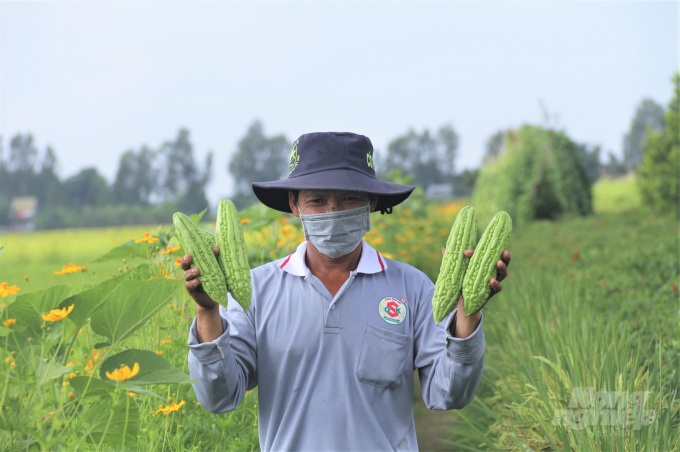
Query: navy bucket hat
(331, 161)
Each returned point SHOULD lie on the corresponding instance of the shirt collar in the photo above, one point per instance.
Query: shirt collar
(370, 262)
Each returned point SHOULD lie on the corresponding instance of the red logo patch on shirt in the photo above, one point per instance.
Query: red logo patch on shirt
(392, 310)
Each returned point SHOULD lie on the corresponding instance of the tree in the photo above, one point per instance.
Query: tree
(430, 159)
(181, 181)
(87, 188)
(495, 146)
(614, 167)
(590, 159)
(49, 189)
(22, 158)
(136, 178)
(649, 116)
(257, 158)
(659, 174)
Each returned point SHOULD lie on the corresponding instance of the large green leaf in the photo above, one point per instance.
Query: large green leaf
(94, 387)
(46, 370)
(113, 424)
(28, 308)
(89, 301)
(131, 305)
(153, 368)
(127, 250)
(197, 216)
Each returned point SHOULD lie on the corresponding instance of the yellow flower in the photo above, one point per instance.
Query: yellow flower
(414, 248)
(198, 404)
(284, 220)
(66, 383)
(377, 241)
(245, 220)
(280, 243)
(56, 315)
(214, 223)
(159, 352)
(2, 305)
(178, 261)
(146, 239)
(9, 322)
(6, 290)
(401, 239)
(169, 409)
(72, 375)
(70, 268)
(131, 394)
(388, 255)
(26, 277)
(71, 395)
(124, 373)
(169, 250)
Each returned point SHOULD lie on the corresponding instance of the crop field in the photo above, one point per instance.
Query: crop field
(590, 302)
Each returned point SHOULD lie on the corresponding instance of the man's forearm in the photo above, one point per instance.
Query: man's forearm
(208, 324)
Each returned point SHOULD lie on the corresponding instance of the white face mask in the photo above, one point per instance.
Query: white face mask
(337, 234)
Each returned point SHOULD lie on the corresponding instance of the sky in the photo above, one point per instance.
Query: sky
(94, 79)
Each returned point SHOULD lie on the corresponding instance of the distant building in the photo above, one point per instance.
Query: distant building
(22, 210)
(439, 191)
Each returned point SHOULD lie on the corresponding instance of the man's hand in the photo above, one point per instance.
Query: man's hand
(208, 321)
(193, 284)
(465, 326)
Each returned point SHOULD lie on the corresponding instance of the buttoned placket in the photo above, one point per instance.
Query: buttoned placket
(332, 309)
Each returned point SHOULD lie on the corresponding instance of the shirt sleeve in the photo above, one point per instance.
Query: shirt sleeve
(227, 367)
(450, 369)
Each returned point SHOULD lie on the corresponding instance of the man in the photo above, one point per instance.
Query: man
(334, 330)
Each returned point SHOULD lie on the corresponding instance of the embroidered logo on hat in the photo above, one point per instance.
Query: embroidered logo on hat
(392, 310)
(294, 158)
(369, 160)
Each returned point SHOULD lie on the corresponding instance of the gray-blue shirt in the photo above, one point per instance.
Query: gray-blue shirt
(336, 373)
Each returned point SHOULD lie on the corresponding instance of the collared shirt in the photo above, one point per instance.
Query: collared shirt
(336, 373)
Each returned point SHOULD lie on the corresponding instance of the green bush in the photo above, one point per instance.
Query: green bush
(540, 176)
(659, 174)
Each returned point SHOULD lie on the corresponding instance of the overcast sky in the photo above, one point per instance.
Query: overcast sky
(93, 79)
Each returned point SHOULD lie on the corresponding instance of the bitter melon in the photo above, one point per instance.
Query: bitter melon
(482, 268)
(449, 285)
(233, 254)
(194, 242)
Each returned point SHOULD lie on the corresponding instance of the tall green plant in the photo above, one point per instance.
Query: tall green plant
(539, 176)
(659, 174)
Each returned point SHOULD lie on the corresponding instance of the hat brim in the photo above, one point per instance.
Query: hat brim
(275, 194)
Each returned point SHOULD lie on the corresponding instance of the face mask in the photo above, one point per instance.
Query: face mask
(337, 234)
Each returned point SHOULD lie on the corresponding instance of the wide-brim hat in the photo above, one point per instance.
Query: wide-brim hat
(331, 161)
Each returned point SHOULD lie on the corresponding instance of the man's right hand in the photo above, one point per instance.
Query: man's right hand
(193, 283)
(208, 321)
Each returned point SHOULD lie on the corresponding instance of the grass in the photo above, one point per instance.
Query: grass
(614, 195)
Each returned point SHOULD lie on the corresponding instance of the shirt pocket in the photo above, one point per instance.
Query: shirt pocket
(382, 359)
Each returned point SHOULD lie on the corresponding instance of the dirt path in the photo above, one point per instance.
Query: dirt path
(430, 425)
